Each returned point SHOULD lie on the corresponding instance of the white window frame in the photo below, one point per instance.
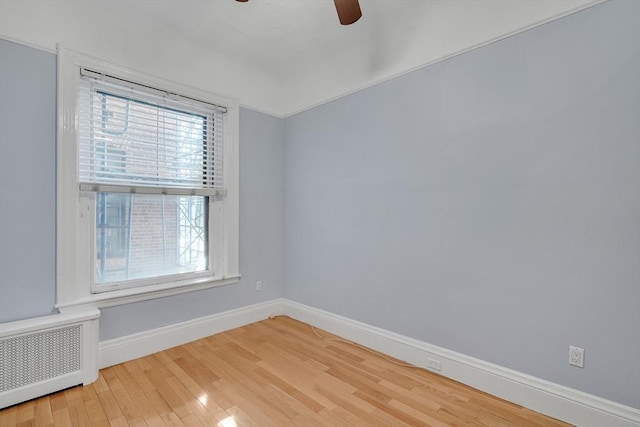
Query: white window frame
(75, 250)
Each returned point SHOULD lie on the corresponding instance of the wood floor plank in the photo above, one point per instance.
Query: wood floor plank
(44, 416)
(137, 397)
(193, 421)
(208, 414)
(297, 410)
(109, 405)
(148, 390)
(253, 408)
(172, 420)
(358, 410)
(26, 412)
(94, 407)
(128, 407)
(8, 417)
(62, 418)
(290, 390)
(278, 372)
(57, 401)
(78, 410)
(238, 416)
(118, 422)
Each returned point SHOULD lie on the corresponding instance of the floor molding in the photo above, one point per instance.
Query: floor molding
(548, 398)
(129, 347)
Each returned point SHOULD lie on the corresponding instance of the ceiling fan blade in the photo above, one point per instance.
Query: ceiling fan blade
(348, 11)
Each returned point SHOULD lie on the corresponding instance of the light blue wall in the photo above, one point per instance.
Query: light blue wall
(27, 181)
(488, 204)
(27, 207)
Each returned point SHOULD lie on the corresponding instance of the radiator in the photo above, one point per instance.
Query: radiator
(46, 354)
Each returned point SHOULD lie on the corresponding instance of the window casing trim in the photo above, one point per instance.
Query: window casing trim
(74, 257)
(130, 295)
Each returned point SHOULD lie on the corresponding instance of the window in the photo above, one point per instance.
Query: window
(147, 185)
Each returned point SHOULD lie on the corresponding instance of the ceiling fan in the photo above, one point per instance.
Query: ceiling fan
(348, 10)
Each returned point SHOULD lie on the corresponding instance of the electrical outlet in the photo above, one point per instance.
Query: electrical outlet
(258, 285)
(434, 365)
(576, 356)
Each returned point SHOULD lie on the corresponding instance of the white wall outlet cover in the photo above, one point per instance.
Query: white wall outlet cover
(576, 356)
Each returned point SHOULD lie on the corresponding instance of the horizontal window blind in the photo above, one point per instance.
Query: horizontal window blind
(134, 138)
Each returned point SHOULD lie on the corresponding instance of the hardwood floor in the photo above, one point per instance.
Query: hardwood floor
(272, 373)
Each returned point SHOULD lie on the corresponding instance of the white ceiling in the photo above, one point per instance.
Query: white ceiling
(276, 56)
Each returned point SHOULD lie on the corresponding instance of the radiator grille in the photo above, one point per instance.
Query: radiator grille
(36, 357)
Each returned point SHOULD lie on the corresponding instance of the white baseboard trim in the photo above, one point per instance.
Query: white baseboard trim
(554, 400)
(123, 349)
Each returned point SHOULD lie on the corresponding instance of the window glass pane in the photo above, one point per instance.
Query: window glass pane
(143, 236)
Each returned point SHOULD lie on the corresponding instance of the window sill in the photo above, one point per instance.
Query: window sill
(143, 293)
